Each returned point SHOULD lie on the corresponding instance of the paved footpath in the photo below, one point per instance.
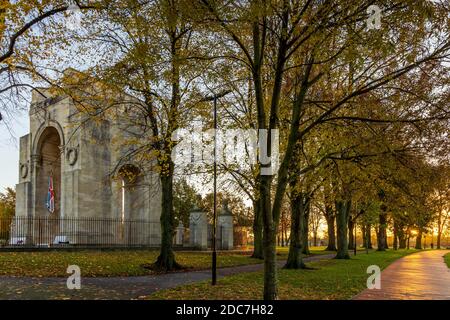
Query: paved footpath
(115, 287)
(418, 276)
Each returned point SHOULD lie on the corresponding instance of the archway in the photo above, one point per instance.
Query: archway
(48, 170)
(132, 204)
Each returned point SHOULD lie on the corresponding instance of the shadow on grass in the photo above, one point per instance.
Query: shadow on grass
(157, 269)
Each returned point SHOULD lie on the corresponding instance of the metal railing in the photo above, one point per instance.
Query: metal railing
(73, 232)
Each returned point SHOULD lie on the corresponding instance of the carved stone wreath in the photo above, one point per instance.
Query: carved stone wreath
(23, 170)
(72, 156)
(195, 217)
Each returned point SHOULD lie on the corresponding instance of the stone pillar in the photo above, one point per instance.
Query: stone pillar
(225, 227)
(179, 234)
(198, 228)
(21, 229)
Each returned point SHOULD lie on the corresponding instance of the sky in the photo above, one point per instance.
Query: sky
(9, 149)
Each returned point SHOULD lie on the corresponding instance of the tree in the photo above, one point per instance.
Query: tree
(356, 213)
(149, 50)
(382, 225)
(371, 210)
(330, 216)
(242, 215)
(241, 115)
(440, 200)
(315, 222)
(18, 23)
(300, 206)
(185, 198)
(7, 203)
(7, 211)
(343, 202)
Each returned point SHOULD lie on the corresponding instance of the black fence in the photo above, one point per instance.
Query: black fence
(75, 232)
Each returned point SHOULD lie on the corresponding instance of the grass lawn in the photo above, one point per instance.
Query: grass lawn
(447, 259)
(332, 279)
(115, 263)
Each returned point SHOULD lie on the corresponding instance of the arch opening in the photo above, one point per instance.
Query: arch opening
(132, 204)
(48, 186)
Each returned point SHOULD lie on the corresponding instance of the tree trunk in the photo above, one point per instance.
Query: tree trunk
(294, 260)
(419, 240)
(438, 240)
(366, 234)
(342, 217)
(330, 218)
(286, 236)
(257, 232)
(271, 214)
(351, 238)
(270, 266)
(369, 236)
(382, 235)
(363, 233)
(401, 236)
(269, 241)
(395, 244)
(439, 233)
(166, 259)
(401, 240)
(304, 227)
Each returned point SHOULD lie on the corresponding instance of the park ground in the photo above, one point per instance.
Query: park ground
(447, 259)
(115, 263)
(329, 279)
(240, 276)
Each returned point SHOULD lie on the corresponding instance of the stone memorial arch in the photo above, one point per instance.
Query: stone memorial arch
(80, 159)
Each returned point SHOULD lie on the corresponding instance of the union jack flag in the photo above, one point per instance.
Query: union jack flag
(50, 203)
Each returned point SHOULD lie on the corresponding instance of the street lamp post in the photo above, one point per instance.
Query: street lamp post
(214, 98)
